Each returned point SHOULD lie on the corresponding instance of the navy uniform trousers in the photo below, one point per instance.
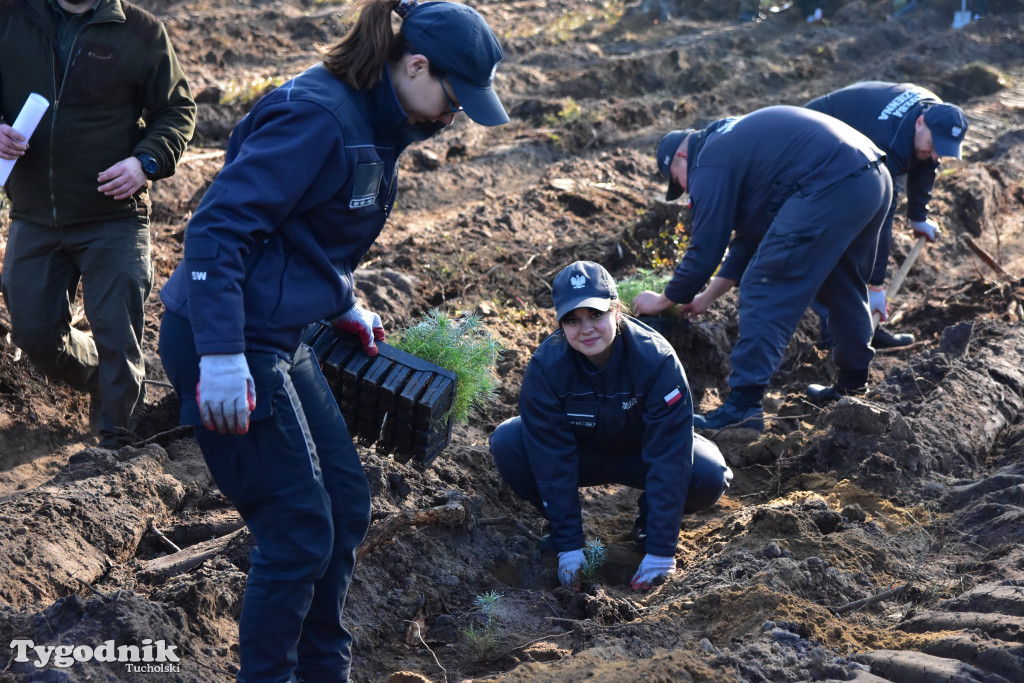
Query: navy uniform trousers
(297, 481)
(823, 243)
(711, 476)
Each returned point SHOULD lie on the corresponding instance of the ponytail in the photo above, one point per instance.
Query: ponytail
(359, 57)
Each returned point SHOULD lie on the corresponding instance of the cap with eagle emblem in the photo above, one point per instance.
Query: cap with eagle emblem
(583, 284)
(458, 42)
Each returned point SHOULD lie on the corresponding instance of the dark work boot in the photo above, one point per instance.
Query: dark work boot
(884, 339)
(849, 383)
(741, 409)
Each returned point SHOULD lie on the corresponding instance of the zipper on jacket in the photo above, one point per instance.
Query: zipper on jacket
(392, 191)
(76, 52)
(58, 92)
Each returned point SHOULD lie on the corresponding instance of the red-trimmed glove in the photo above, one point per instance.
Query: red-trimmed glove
(928, 229)
(652, 567)
(226, 393)
(878, 302)
(363, 324)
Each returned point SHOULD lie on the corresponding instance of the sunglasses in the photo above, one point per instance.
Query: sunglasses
(451, 104)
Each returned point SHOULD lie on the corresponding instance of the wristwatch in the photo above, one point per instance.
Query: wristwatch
(149, 165)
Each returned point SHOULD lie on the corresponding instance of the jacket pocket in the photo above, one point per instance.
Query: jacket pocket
(787, 250)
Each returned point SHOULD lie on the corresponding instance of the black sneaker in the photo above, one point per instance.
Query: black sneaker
(639, 532)
(884, 339)
(834, 392)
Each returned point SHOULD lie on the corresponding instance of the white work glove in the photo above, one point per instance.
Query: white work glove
(928, 229)
(364, 324)
(569, 564)
(878, 302)
(652, 568)
(226, 393)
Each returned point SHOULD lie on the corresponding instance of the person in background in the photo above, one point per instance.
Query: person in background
(121, 114)
(309, 179)
(605, 400)
(802, 196)
(915, 129)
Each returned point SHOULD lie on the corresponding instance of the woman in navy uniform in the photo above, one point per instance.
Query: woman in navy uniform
(308, 181)
(605, 400)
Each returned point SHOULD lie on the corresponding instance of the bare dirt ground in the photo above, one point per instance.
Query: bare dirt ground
(877, 539)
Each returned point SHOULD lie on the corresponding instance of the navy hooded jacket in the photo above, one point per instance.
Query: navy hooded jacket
(308, 181)
(886, 113)
(638, 403)
(741, 170)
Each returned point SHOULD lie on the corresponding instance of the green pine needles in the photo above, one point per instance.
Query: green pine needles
(484, 640)
(593, 560)
(462, 345)
(642, 280)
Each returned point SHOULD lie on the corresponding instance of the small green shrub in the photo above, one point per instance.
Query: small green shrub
(463, 346)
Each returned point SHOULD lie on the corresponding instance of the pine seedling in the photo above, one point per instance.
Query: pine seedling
(463, 346)
(642, 280)
(593, 560)
(485, 639)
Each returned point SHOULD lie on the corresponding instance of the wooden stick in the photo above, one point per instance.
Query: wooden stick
(987, 258)
(163, 539)
(162, 568)
(884, 595)
(901, 274)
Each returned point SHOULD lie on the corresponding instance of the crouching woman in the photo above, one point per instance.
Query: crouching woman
(605, 401)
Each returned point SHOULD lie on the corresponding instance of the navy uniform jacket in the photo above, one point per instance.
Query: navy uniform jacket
(886, 113)
(741, 170)
(308, 181)
(638, 404)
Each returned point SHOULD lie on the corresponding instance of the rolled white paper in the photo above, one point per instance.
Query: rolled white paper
(28, 119)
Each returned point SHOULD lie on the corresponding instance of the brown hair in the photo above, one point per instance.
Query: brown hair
(358, 58)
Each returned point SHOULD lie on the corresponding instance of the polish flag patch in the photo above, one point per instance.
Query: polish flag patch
(673, 397)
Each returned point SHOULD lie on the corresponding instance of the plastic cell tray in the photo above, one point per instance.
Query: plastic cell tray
(397, 401)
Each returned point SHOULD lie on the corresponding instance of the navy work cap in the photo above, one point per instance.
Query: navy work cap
(666, 150)
(458, 42)
(948, 126)
(583, 284)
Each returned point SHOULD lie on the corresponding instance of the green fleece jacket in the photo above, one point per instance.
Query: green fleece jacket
(123, 93)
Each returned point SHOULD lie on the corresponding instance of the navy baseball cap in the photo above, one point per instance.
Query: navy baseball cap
(666, 150)
(457, 41)
(583, 284)
(948, 125)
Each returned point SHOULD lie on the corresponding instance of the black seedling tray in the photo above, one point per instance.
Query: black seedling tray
(395, 400)
(676, 331)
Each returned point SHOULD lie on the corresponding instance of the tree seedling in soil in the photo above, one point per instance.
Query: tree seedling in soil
(462, 345)
(483, 640)
(593, 560)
